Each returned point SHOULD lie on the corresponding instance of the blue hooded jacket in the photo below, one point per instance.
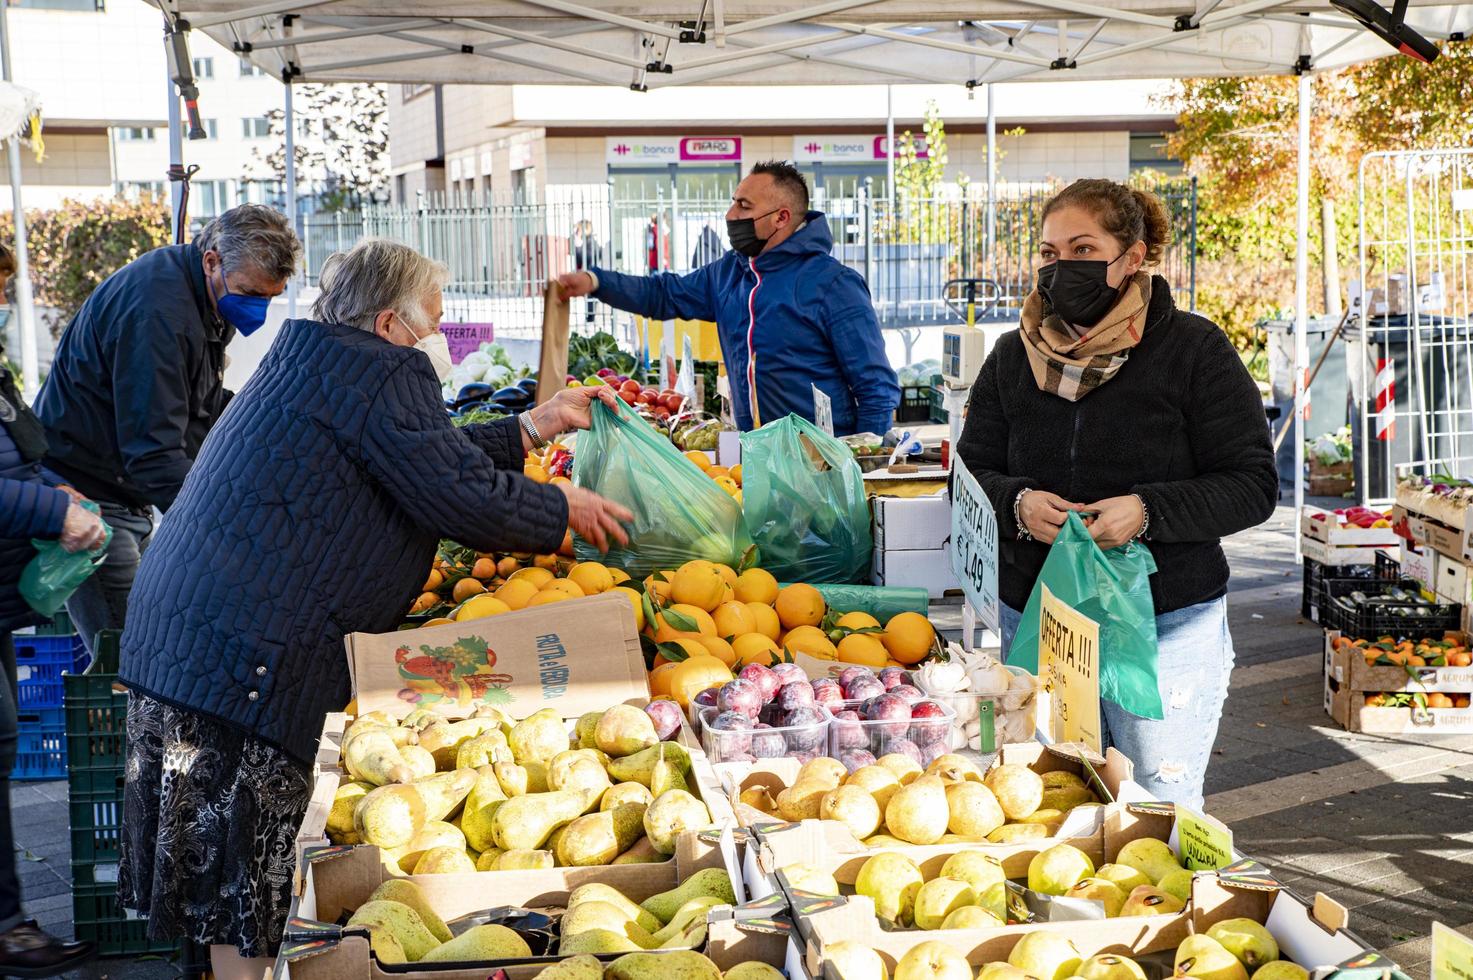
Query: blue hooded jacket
(792, 317)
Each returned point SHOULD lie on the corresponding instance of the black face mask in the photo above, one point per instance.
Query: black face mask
(1076, 290)
(742, 233)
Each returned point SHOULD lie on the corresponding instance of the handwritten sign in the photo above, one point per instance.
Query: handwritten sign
(1452, 954)
(1069, 666)
(823, 410)
(1202, 843)
(974, 545)
(465, 338)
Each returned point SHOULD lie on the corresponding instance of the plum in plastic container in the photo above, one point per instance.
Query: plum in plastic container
(862, 731)
(730, 736)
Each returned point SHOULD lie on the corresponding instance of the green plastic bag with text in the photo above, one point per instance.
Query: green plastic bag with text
(1113, 588)
(679, 512)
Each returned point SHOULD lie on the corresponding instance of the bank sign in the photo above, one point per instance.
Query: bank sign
(843, 149)
(672, 149)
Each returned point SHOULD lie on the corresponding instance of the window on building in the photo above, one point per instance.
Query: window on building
(248, 70)
(135, 134)
(204, 68)
(255, 127)
(411, 90)
(212, 128)
(208, 198)
(135, 189)
(1148, 152)
(399, 189)
(268, 192)
(89, 6)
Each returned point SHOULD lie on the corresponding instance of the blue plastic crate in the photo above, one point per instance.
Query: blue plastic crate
(39, 663)
(40, 752)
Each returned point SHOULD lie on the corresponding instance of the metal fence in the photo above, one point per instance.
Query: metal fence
(501, 252)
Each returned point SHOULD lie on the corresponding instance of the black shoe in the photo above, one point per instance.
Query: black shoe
(26, 951)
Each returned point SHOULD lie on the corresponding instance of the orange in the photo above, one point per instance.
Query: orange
(701, 460)
(1439, 700)
(637, 601)
(717, 472)
(438, 621)
(559, 479)
(736, 473)
(909, 637)
(857, 621)
(728, 484)
(507, 567)
(694, 675)
(799, 605)
(548, 596)
(756, 585)
(537, 576)
(767, 622)
(435, 579)
(618, 575)
(863, 648)
(655, 587)
(705, 625)
(719, 649)
(479, 607)
(699, 584)
(810, 640)
(517, 593)
(566, 586)
(660, 679)
(484, 568)
(534, 473)
(734, 619)
(754, 648)
(591, 577)
(466, 588)
(728, 574)
(425, 601)
(546, 562)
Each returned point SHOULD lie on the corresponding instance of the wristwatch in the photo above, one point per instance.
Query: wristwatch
(531, 429)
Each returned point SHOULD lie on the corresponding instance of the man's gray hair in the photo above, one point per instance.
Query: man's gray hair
(375, 275)
(254, 236)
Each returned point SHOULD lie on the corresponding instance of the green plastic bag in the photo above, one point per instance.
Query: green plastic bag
(803, 495)
(884, 602)
(679, 512)
(50, 578)
(1113, 588)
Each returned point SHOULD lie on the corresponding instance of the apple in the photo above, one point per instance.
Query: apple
(628, 397)
(645, 398)
(605, 372)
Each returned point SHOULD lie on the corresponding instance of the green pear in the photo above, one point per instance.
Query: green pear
(1204, 957)
(976, 868)
(940, 897)
(685, 917)
(1107, 893)
(624, 730)
(1046, 955)
(1249, 941)
(599, 892)
(597, 942)
(673, 813)
(1056, 870)
(1177, 883)
(526, 822)
(954, 768)
(1019, 790)
(1061, 779)
(1281, 970)
(1049, 818)
(525, 860)
(574, 968)
(667, 775)
(419, 761)
(1152, 858)
(1108, 966)
(435, 833)
(489, 859)
(1128, 878)
(855, 961)
(417, 719)
(480, 807)
(538, 737)
(399, 921)
(582, 775)
(972, 917)
(444, 861)
(588, 916)
(340, 829)
(905, 769)
(640, 767)
(1150, 900)
(447, 740)
(974, 811)
(519, 780)
(892, 882)
(598, 838)
(1065, 798)
(443, 793)
(815, 881)
(877, 781)
(642, 852)
(408, 893)
(932, 961)
(584, 730)
(622, 793)
(752, 970)
(802, 800)
(389, 816)
(1002, 971)
(853, 807)
(710, 882)
(480, 944)
(1011, 833)
(918, 813)
(681, 965)
(483, 750)
(883, 840)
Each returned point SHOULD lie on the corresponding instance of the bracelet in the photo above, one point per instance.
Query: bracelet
(1145, 519)
(531, 429)
(1023, 533)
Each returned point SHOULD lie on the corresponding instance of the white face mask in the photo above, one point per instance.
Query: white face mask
(436, 347)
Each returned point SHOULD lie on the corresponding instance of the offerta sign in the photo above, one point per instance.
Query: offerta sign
(1069, 666)
(974, 545)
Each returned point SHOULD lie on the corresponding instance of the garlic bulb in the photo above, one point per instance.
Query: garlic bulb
(987, 676)
(942, 678)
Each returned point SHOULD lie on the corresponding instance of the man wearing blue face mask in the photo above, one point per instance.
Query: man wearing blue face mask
(139, 380)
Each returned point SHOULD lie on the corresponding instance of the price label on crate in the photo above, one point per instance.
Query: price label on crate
(1202, 843)
(823, 410)
(1452, 954)
(1069, 666)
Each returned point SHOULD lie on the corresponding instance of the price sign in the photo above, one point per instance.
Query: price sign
(1452, 954)
(1202, 843)
(974, 545)
(823, 410)
(1069, 666)
(464, 338)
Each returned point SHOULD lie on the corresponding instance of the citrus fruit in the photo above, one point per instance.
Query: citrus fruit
(658, 584)
(704, 624)
(857, 621)
(696, 673)
(863, 648)
(479, 607)
(618, 575)
(435, 579)
(537, 576)
(728, 484)
(547, 596)
(591, 577)
(484, 568)
(507, 566)
(799, 605)
(437, 621)
(517, 592)
(566, 586)
(734, 619)
(754, 648)
(637, 601)
(736, 473)
(719, 649)
(699, 584)
(425, 601)
(546, 563)
(728, 574)
(810, 640)
(660, 679)
(466, 588)
(756, 585)
(701, 460)
(909, 636)
(534, 473)
(716, 472)
(766, 617)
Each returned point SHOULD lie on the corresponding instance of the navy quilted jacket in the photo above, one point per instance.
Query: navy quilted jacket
(28, 509)
(313, 511)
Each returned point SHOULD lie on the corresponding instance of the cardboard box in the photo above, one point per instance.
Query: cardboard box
(1451, 580)
(1335, 555)
(1452, 542)
(1329, 531)
(1416, 561)
(929, 570)
(912, 523)
(1348, 668)
(1451, 511)
(1349, 710)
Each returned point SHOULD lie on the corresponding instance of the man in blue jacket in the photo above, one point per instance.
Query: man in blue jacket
(790, 316)
(139, 380)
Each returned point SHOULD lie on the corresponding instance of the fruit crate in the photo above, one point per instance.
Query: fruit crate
(939, 414)
(1377, 618)
(98, 917)
(96, 816)
(40, 751)
(1312, 601)
(95, 718)
(915, 404)
(40, 662)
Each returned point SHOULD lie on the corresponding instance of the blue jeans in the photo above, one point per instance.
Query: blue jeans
(1194, 661)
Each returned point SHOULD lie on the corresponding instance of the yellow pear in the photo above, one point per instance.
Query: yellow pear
(480, 944)
(399, 921)
(408, 893)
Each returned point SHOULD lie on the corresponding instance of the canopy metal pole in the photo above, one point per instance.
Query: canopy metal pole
(176, 160)
(1301, 300)
(889, 143)
(991, 173)
(291, 192)
(30, 358)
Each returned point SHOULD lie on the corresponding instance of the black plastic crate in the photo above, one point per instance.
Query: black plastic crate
(915, 404)
(1312, 600)
(939, 414)
(1387, 568)
(1388, 617)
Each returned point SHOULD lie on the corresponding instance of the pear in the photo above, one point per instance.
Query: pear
(855, 961)
(1204, 957)
(597, 942)
(399, 921)
(340, 829)
(622, 793)
(825, 769)
(519, 780)
(815, 881)
(1107, 893)
(954, 768)
(752, 970)
(1002, 971)
(665, 776)
(624, 730)
(381, 719)
(1056, 870)
(408, 893)
(599, 892)
(583, 731)
(480, 807)
(444, 861)
(589, 916)
(1046, 955)
(389, 816)
(640, 767)
(583, 775)
(480, 944)
(974, 811)
(483, 750)
(709, 882)
(1019, 790)
(435, 833)
(1150, 900)
(671, 814)
(1177, 884)
(682, 965)
(902, 767)
(972, 917)
(444, 741)
(1281, 970)
(538, 737)
(575, 968)
(598, 838)
(932, 961)
(892, 882)
(883, 840)
(1065, 798)
(1128, 878)
(758, 798)
(526, 860)
(1011, 833)
(852, 807)
(1049, 818)
(642, 852)
(489, 859)
(803, 800)
(1249, 941)
(1061, 779)
(687, 916)
(1108, 966)
(877, 781)
(371, 756)
(977, 869)
(918, 813)
(940, 897)
(1152, 858)
(525, 822)
(419, 761)
(443, 793)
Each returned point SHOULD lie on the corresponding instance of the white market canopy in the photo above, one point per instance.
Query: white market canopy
(772, 42)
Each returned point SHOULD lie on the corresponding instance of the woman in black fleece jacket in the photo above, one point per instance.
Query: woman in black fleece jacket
(1112, 401)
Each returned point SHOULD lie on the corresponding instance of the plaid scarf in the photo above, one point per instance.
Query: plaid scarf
(1071, 365)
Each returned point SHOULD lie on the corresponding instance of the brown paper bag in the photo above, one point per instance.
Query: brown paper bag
(552, 372)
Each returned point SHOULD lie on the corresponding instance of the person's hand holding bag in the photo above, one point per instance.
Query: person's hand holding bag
(595, 519)
(1042, 514)
(1118, 520)
(81, 530)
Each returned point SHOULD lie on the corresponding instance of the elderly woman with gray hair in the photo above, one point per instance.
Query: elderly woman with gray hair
(313, 511)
